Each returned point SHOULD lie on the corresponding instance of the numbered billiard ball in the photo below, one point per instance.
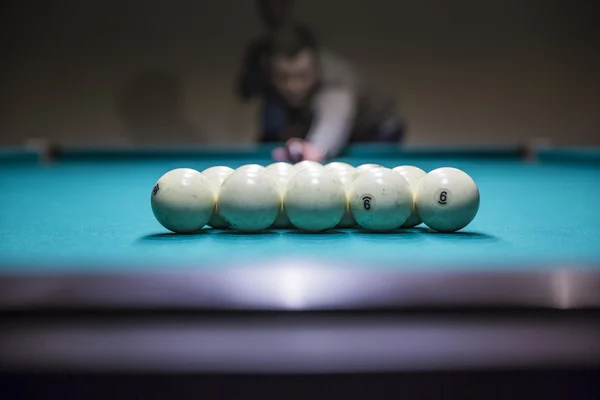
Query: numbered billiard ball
(183, 200)
(413, 176)
(447, 199)
(249, 200)
(216, 176)
(281, 172)
(314, 200)
(381, 199)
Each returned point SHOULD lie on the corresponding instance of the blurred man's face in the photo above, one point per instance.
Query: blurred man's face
(295, 77)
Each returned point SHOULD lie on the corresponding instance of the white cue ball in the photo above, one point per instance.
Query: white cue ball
(315, 200)
(381, 199)
(281, 172)
(346, 177)
(413, 176)
(447, 199)
(306, 164)
(183, 200)
(249, 200)
(216, 176)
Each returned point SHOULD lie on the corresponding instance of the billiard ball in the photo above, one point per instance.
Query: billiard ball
(306, 164)
(365, 167)
(314, 200)
(336, 165)
(345, 176)
(281, 172)
(413, 175)
(447, 199)
(183, 200)
(249, 200)
(381, 199)
(250, 166)
(216, 176)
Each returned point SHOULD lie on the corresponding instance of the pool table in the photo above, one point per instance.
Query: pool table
(91, 284)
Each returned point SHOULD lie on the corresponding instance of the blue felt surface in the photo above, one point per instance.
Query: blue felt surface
(95, 215)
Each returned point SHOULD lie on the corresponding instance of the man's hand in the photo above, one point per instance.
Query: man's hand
(296, 150)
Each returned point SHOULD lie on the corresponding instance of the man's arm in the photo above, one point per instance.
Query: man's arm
(335, 111)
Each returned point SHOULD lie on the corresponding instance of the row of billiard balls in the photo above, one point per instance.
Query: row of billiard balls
(313, 197)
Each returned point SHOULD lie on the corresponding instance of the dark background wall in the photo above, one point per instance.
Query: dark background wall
(134, 71)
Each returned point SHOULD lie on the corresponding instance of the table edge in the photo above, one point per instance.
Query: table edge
(304, 286)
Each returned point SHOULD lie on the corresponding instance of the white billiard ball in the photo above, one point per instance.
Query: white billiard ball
(216, 176)
(365, 167)
(307, 164)
(249, 200)
(183, 200)
(281, 172)
(336, 165)
(381, 199)
(250, 166)
(447, 199)
(345, 176)
(413, 176)
(315, 200)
